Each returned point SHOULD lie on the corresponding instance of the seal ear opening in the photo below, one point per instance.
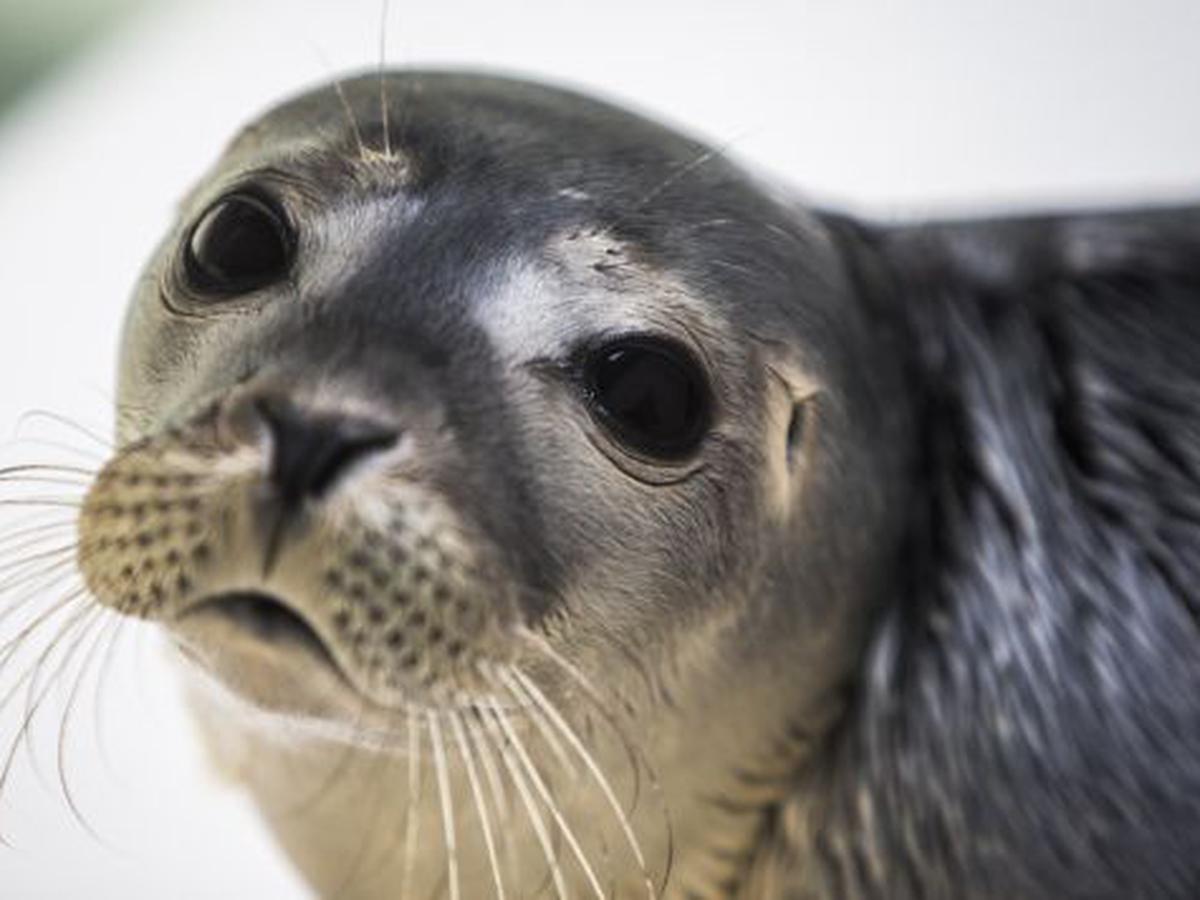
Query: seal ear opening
(796, 431)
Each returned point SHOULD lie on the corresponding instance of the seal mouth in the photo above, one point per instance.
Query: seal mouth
(269, 620)
(261, 649)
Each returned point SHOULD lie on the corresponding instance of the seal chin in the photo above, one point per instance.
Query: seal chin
(267, 655)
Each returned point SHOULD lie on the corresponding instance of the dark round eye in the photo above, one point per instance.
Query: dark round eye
(242, 242)
(651, 394)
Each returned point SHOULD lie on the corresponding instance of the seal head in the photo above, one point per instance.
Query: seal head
(493, 399)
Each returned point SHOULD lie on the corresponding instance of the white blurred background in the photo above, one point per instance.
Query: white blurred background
(110, 108)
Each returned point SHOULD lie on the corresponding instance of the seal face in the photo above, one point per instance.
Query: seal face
(541, 504)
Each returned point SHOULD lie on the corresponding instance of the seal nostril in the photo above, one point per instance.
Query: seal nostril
(309, 452)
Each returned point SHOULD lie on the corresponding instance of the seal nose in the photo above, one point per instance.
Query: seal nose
(309, 452)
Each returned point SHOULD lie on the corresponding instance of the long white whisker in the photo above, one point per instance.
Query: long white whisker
(542, 702)
(549, 735)
(539, 785)
(637, 760)
(496, 787)
(412, 815)
(53, 553)
(80, 622)
(14, 645)
(383, 103)
(64, 726)
(43, 444)
(42, 529)
(34, 548)
(57, 480)
(106, 663)
(34, 703)
(340, 91)
(36, 577)
(7, 472)
(495, 783)
(460, 735)
(10, 647)
(447, 800)
(60, 419)
(699, 160)
(535, 817)
(42, 502)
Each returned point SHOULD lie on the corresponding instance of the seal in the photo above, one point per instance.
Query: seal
(543, 505)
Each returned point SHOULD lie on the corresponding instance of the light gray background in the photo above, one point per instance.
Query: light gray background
(889, 108)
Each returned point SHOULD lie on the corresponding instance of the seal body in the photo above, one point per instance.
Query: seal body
(541, 504)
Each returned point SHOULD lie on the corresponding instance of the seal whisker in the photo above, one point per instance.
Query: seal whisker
(539, 699)
(103, 672)
(14, 644)
(358, 138)
(35, 697)
(48, 468)
(492, 774)
(53, 564)
(438, 748)
(45, 444)
(35, 551)
(97, 626)
(495, 782)
(415, 783)
(702, 158)
(465, 750)
(9, 648)
(43, 581)
(66, 421)
(535, 817)
(81, 621)
(39, 528)
(18, 572)
(539, 785)
(637, 760)
(42, 502)
(49, 480)
(538, 717)
(412, 815)
(383, 101)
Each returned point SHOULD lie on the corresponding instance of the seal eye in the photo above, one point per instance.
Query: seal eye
(242, 242)
(651, 394)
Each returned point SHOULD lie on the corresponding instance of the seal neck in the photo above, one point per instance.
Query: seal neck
(1033, 679)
